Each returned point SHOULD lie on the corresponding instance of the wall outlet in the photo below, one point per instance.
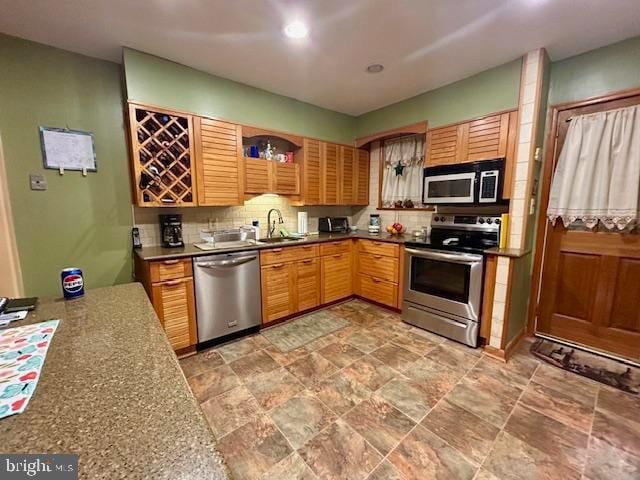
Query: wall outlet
(38, 182)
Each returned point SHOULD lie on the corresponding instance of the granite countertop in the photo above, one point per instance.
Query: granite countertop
(112, 391)
(508, 252)
(190, 250)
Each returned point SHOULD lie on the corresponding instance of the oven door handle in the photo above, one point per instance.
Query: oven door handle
(461, 258)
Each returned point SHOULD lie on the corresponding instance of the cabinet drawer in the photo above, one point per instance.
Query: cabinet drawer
(336, 277)
(162, 270)
(378, 266)
(377, 290)
(334, 248)
(375, 247)
(288, 254)
(308, 283)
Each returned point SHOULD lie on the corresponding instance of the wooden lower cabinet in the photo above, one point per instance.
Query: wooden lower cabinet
(278, 296)
(379, 272)
(307, 283)
(174, 302)
(336, 277)
(169, 284)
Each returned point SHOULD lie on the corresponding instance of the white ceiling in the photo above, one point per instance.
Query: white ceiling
(423, 44)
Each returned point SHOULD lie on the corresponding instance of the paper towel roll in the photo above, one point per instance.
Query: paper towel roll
(303, 222)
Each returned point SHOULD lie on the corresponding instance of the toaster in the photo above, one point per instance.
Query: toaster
(333, 224)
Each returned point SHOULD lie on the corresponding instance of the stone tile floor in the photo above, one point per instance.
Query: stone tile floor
(382, 400)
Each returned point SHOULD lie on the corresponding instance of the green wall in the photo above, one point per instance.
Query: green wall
(489, 91)
(77, 221)
(597, 72)
(157, 81)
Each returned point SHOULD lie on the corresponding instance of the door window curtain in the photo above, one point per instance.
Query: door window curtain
(403, 172)
(597, 178)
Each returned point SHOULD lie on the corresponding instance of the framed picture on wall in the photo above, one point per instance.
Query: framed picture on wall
(64, 149)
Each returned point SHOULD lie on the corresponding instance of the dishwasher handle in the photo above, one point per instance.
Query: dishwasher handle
(226, 263)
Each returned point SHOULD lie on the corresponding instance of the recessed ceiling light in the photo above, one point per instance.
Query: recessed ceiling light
(375, 68)
(296, 29)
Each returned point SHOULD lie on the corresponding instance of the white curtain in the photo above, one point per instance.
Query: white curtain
(597, 178)
(406, 188)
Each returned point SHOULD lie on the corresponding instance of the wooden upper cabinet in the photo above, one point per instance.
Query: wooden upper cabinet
(286, 178)
(309, 157)
(347, 176)
(361, 178)
(218, 162)
(484, 138)
(256, 175)
(444, 145)
(329, 173)
(162, 156)
(267, 176)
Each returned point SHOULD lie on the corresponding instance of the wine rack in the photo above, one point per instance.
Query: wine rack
(163, 147)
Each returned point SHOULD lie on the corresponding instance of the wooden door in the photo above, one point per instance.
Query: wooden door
(336, 277)
(173, 301)
(278, 291)
(307, 283)
(590, 291)
(329, 173)
(218, 162)
(361, 180)
(311, 172)
(346, 195)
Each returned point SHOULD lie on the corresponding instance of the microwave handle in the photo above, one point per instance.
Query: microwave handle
(462, 258)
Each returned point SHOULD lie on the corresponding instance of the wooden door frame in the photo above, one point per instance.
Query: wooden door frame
(547, 175)
(11, 284)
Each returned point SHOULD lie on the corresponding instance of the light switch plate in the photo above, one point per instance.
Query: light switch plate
(38, 182)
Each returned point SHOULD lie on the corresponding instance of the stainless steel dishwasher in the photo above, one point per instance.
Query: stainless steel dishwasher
(228, 296)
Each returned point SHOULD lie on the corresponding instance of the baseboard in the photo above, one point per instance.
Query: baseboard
(496, 353)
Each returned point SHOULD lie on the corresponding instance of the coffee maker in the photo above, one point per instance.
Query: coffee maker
(171, 230)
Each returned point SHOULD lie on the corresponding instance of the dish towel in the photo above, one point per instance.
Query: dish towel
(597, 178)
(22, 354)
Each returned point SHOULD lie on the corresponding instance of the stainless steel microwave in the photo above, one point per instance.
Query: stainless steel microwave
(477, 183)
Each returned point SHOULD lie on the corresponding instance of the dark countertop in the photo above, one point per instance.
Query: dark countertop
(189, 250)
(508, 252)
(112, 391)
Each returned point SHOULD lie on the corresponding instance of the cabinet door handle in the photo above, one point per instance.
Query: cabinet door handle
(308, 260)
(377, 243)
(377, 257)
(375, 280)
(173, 283)
(337, 244)
(171, 262)
(307, 247)
(338, 255)
(276, 250)
(277, 265)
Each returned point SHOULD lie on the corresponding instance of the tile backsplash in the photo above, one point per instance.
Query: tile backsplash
(198, 218)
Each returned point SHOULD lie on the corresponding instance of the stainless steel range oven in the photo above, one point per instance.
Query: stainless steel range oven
(444, 276)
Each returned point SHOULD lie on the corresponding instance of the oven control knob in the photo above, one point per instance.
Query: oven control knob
(489, 220)
(498, 221)
(480, 220)
(436, 219)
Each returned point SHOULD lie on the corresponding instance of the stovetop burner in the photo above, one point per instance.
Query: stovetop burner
(461, 233)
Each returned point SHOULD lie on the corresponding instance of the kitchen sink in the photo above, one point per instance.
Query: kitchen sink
(278, 240)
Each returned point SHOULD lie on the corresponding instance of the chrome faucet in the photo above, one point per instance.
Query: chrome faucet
(272, 227)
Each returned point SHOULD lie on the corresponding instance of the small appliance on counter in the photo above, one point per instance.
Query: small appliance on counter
(171, 230)
(333, 225)
(374, 223)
